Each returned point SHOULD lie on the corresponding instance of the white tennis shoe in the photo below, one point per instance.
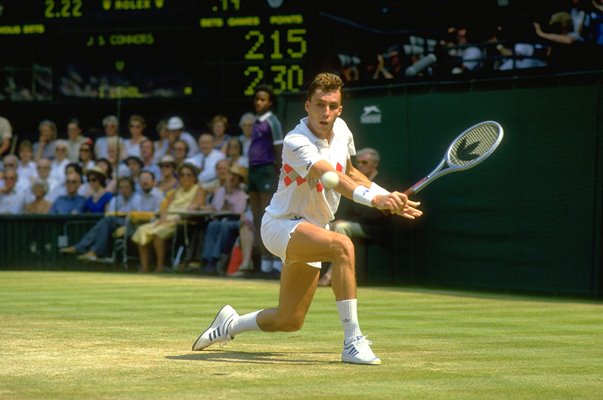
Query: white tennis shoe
(218, 330)
(358, 351)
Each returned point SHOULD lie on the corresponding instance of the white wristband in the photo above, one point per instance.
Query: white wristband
(362, 195)
(378, 190)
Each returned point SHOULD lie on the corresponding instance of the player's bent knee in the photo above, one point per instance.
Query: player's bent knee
(342, 249)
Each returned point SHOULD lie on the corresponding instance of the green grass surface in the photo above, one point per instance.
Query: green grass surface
(75, 335)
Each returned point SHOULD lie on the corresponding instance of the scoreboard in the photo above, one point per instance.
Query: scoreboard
(55, 50)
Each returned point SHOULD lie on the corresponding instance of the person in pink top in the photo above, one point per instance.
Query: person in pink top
(222, 232)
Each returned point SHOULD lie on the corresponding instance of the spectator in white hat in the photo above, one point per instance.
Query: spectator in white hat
(175, 128)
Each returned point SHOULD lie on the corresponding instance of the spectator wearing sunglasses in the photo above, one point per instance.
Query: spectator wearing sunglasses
(87, 158)
(72, 202)
(99, 198)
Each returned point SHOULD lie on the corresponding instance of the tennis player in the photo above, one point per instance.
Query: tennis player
(294, 226)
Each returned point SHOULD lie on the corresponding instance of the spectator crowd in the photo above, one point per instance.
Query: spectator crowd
(145, 182)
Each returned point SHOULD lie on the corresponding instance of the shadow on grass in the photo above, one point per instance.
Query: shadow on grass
(250, 358)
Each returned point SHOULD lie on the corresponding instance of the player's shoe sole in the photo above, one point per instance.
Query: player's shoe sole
(218, 330)
(358, 351)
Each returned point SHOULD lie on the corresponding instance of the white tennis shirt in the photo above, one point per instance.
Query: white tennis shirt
(299, 195)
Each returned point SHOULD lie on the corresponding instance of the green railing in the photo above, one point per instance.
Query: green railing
(33, 241)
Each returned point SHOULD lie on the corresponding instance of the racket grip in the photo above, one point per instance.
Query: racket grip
(409, 192)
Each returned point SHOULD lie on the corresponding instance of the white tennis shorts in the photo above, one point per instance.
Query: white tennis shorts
(276, 233)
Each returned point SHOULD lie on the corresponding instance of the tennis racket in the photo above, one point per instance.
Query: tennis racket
(469, 149)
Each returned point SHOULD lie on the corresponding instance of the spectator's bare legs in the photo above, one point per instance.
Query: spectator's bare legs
(299, 280)
(143, 253)
(159, 245)
(246, 236)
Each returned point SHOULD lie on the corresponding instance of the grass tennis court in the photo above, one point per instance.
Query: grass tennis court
(72, 335)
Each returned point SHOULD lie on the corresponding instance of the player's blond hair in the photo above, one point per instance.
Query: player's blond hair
(327, 82)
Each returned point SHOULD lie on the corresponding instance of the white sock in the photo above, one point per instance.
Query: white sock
(245, 323)
(348, 314)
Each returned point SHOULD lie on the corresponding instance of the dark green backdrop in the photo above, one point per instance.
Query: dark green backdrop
(528, 218)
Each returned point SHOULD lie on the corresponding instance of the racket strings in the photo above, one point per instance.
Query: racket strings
(474, 145)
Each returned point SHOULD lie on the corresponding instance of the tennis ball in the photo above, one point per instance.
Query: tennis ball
(329, 179)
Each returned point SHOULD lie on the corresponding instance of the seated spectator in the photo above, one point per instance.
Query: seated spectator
(175, 128)
(10, 161)
(246, 124)
(6, 134)
(150, 196)
(218, 126)
(61, 188)
(222, 233)
(97, 241)
(134, 165)
(188, 196)
(116, 154)
(206, 159)
(389, 64)
(72, 202)
(12, 201)
(44, 147)
(60, 161)
(357, 221)
(222, 168)
(39, 205)
(180, 153)
(161, 145)
(147, 155)
(567, 46)
(75, 139)
(111, 128)
(234, 153)
(87, 159)
(27, 167)
(136, 127)
(54, 186)
(347, 67)
(523, 56)
(460, 52)
(167, 179)
(562, 23)
(99, 197)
